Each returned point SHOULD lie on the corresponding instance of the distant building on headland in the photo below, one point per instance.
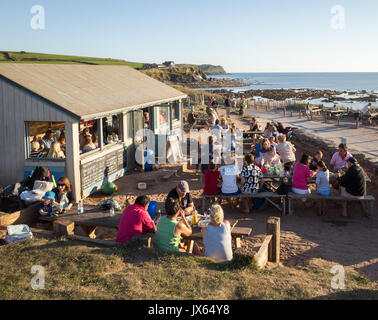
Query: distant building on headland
(169, 64)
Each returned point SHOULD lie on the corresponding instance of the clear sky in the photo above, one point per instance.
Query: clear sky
(241, 35)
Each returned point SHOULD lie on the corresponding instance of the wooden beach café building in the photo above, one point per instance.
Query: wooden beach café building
(112, 101)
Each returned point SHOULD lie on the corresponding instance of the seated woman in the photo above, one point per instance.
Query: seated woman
(322, 185)
(268, 154)
(302, 176)
(269, 130)
(217, 236)
(253, 126)
(169, 230)
(55, 151)
(63, 195)
(251, 180)
(211, 179)
(88, 145)
(85, 133)
(224, 125)
(314, 162)
(62, 143)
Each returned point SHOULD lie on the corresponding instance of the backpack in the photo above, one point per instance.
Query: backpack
(284, 187)
(39, 173)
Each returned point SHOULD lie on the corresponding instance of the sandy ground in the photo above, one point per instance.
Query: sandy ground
(304, 235)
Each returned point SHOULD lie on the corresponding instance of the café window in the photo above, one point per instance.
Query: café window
(175, 110)
(89, 136)
(163, 118)
(112, 129)
(45, 140)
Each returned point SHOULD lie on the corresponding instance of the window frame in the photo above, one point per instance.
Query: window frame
(27, 136)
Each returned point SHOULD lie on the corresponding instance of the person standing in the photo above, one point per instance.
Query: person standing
(227, 104)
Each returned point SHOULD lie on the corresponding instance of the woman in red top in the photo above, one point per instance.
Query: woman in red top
(212, 176)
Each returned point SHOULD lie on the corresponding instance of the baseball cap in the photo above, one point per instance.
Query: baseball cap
(49, 195)
(183, 186)
(352, 160)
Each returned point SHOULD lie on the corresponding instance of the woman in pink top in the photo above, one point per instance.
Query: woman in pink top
(302, 176)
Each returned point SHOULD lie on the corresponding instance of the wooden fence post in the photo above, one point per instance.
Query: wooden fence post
(273, 228)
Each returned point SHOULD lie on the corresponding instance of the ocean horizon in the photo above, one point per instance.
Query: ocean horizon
(363, 83)
(341, 81)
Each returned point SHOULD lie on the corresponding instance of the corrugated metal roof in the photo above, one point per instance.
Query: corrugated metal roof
(90, 91)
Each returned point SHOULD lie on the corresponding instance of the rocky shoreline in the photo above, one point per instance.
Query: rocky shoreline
(300, 94)
(214, 83)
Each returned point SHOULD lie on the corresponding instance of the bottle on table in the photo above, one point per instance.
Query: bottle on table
(80, 207)
(157, 217)
(112, 211)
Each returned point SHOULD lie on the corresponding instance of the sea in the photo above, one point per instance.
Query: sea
(363, 83)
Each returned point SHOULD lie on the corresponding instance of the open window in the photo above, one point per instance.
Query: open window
(45, 140)
(96, 134)
(176, 111)
(162, 116)
(89, 136)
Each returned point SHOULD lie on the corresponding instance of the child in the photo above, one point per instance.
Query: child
(322, 185)
(45, 208)
(318, 157)
(35, 150)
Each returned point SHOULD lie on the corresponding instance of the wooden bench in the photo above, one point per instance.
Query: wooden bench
(259, 195)
(370, 199)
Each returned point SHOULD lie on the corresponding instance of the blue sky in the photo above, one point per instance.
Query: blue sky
(241, 35)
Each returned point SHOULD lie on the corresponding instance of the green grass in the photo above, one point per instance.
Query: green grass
(77, 271)
(29, 57)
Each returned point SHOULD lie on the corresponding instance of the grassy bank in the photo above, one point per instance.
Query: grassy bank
(75, 271)
(28, 57)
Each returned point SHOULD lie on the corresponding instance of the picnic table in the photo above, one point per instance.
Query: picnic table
(334, 113)
(93, 217)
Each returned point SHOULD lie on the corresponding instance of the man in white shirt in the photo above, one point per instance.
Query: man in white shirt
(216, 130)
(286, 151)
(366, 109)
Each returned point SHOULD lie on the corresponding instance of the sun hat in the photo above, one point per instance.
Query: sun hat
(183, 186)
(49, 195)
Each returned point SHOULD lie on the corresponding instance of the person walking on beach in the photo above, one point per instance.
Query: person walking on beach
(227, 104)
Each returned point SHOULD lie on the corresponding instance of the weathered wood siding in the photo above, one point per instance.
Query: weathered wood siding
(18, 106)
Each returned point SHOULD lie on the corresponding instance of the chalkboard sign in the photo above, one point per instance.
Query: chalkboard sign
(97, 170)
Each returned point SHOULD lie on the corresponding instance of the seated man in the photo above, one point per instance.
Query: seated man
(169, 230)
(182, 194)
(135, 220)
(353, 183)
